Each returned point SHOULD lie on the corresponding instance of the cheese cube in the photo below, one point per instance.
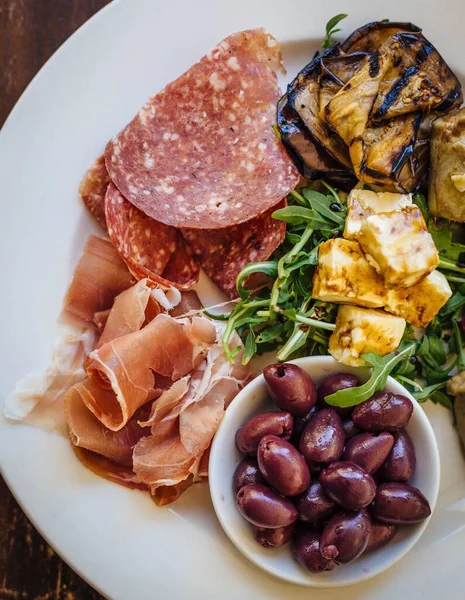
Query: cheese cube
(344, 276)
(363, 203)
(420, 303)
(361, 330)
(399, 246)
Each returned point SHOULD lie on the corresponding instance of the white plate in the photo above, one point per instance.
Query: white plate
(116, 538)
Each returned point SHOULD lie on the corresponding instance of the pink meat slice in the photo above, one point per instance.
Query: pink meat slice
(127, 367)
(129, 312)
(202, 153)
(86, 431)
(150, 248)
(93, 188)
(99, 277)
(223, 253)
(183, 422)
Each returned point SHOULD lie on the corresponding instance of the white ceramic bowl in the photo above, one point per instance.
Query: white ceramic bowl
(224, 458)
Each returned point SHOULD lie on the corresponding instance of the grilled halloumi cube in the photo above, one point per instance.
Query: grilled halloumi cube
(360, 330)
(420, 303)
(363, 203)
(344, 276)
(399, 246)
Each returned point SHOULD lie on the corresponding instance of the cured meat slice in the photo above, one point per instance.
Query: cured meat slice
(127, 367)
(107, 469)
(202, 153)
(128, 313)
(148, 247)
(182, 269)
(99, 277)
(86, 431)
(100, 319)
(38, 398)
(141, 241)
(93, 188)
(223, 253)
(183, 422)
(189, 302)
(165, 494)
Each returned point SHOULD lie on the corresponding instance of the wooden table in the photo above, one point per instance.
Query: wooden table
(30, 32)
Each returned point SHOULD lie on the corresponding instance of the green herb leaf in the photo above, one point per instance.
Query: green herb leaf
(322, 204)
(250, 347)
(269, 268)
(456, 301)
(442, 236)
(382, 367)
(330, 29)
(427, 391)
(442, 399)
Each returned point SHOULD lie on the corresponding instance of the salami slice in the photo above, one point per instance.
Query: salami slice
(202, 153)
(149, 248)
(223, 253)
(92, 190)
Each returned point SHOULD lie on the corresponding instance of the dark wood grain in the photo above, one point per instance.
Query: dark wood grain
(30, 32)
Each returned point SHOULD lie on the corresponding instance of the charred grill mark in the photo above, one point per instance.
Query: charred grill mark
(450, 99)
(407, 151)
(395, 91)
(423, 52)
(407, 39)
(373, 172)
(373, 64)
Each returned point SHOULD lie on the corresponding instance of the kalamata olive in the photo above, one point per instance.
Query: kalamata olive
(282, 466)
(323, 438)
(348, 484)
(401, 462)
(369, 451)
(246, 472)
(306, 550)
(400, 504)
(268, 423)
(380, 535)
(264, 507)
(384, 411)
(331, 385)
(314, 506)
(349, 428)
(300, 423)
(273, 538)
(345, 536)
(291, 388)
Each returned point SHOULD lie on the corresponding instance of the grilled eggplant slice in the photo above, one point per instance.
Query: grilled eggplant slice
(366, 107)
(379, 111)
(304, 98)
(336, 71)
(370, 37)
(311, 159)
(386, 148)
(417, 79)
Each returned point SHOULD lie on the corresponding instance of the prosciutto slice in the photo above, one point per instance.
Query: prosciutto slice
(86, 431)
(99, 277)
(128, 366)
(129, 312)
(38, 398)
(183, 422)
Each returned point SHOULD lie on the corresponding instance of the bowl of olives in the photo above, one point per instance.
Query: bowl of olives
(319, 495)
